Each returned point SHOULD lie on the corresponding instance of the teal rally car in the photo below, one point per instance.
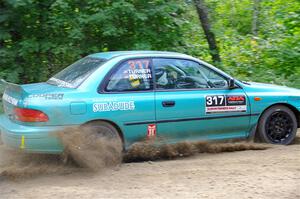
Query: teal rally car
(146, 94)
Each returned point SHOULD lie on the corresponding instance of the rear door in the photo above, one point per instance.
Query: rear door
(128, 99)
(193, 101)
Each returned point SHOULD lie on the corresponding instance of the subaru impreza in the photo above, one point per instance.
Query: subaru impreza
(133, 95)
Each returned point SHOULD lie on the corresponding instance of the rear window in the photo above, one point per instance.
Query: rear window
(75, 74)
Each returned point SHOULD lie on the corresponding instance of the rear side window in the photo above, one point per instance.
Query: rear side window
(75, 74)
(132, 75)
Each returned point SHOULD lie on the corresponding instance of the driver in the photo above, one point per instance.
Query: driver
(161, 76)
(166, 78)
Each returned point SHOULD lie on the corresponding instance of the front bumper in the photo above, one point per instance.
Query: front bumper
(33, 139)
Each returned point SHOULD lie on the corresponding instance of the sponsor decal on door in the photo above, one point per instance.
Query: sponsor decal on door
(225, 103)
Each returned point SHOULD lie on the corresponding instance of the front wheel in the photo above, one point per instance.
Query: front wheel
(278, 125)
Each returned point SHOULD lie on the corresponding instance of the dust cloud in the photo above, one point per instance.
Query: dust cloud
(145, 151)
(89, 150)
(20, 165)
(86, 151)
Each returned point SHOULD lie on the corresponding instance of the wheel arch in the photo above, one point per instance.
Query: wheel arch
(294, 109)
(111, 123)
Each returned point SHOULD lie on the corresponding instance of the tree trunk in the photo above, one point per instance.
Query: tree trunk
(255, 17)
(210, 37)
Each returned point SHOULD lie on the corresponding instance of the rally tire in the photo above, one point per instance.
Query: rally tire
(103, 146)
(277, 125)
(103, 129)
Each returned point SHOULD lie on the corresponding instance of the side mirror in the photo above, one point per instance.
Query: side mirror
(231, 83)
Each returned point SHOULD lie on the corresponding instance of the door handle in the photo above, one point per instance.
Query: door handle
(168, 103)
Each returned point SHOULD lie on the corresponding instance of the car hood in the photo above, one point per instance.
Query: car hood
(272, 88)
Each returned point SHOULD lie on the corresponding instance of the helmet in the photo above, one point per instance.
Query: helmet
(161, 77)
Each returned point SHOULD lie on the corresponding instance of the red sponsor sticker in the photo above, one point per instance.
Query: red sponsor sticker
(236, 98)
(151, 130)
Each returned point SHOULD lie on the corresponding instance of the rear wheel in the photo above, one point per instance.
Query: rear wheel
(95, 145)
(103, 129)
(278, 125)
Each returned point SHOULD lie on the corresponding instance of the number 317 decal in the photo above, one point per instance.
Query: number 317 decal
(216, 100)
(225, 103)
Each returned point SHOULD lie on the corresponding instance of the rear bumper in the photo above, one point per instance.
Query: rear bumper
(33, 139)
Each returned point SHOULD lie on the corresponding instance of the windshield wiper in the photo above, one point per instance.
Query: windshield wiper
(246, 82)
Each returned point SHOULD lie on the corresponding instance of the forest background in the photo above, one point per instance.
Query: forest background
(253, 40)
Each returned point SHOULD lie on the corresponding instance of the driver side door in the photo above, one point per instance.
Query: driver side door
(184, 90)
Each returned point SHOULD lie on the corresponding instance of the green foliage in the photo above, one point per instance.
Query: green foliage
(273, 56)
(39, 38)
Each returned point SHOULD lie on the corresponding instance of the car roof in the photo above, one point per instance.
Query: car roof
(112, 54)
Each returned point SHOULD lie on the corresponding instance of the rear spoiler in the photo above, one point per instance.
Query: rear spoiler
(11, 87)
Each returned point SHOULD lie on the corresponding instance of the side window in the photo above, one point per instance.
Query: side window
(132, 75)
(216, 79)
(185, 74)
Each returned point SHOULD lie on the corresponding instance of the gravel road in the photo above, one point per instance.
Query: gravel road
(271, 173)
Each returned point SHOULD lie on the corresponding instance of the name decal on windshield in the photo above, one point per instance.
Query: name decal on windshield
(61, 83)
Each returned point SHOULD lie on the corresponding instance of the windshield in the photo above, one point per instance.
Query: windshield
(75, 74)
